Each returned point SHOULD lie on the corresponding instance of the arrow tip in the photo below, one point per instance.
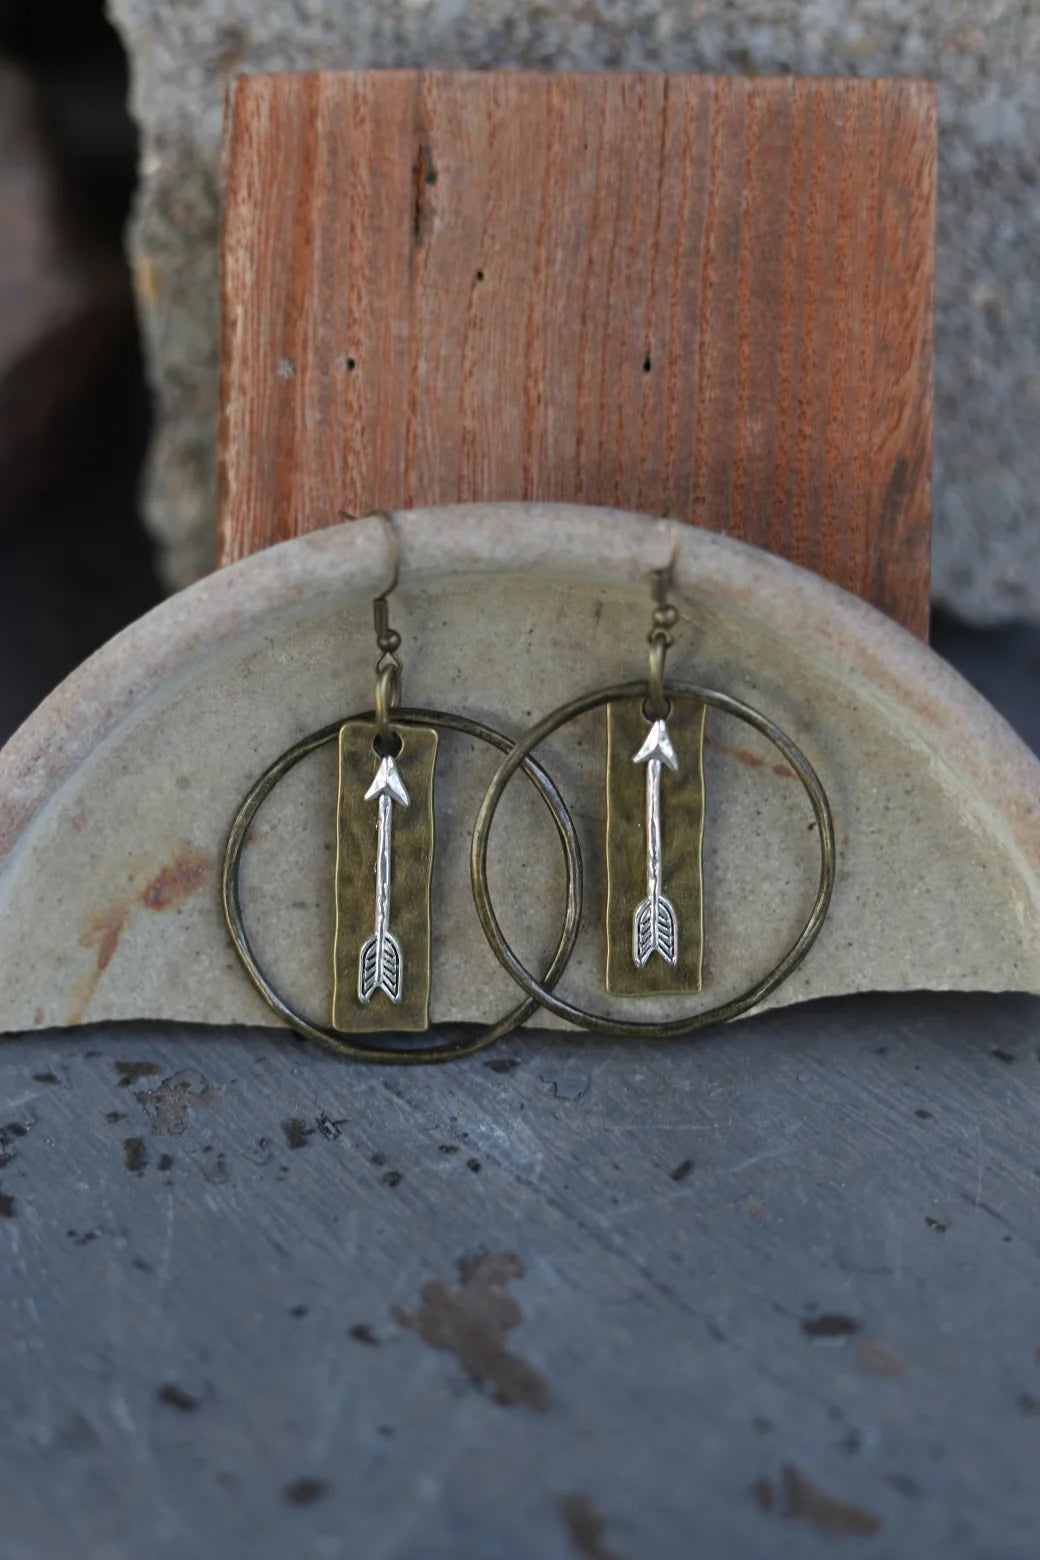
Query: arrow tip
(658, 745)
(388, 782)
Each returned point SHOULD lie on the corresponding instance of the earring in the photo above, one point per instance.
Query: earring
(385, 835)
(390, 767)
(654, 930)
(655, 772)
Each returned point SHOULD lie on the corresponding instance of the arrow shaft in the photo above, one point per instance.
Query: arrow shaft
(383, 850)
(654, 928)
(653, 829)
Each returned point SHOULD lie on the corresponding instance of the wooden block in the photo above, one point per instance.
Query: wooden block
(707, 297)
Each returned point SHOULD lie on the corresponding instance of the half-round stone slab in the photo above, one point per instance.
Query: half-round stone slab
(116, 796)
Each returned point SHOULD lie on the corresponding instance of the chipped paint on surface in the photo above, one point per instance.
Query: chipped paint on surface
(473, 1321)
(177, 881)
(184, 876)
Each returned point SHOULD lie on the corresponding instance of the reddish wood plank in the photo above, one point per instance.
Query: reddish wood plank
(707, 297)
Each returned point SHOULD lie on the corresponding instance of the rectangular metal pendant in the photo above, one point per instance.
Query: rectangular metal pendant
(384, 866)
(654, 837)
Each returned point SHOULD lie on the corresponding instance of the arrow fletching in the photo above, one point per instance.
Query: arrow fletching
(379, 967)
(654, 931)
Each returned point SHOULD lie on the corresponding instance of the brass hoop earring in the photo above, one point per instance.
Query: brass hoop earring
(541, 991)
(374, 1051)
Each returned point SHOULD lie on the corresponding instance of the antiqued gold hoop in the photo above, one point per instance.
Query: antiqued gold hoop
(654, 1029)
(360, 1050)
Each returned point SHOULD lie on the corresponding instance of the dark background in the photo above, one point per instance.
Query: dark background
(75, 563)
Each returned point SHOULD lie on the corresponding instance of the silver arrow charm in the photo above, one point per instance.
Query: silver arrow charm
(654, 928)
(380, 961)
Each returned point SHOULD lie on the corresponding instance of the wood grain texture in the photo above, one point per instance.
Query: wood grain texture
(707, 297)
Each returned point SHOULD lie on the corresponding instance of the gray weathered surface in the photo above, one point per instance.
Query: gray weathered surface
(987, 61)
(807, 1244)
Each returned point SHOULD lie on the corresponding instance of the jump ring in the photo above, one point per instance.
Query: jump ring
(656, 702)
(388, 692)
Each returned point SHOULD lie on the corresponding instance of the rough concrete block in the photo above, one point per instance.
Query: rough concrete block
(986, 58)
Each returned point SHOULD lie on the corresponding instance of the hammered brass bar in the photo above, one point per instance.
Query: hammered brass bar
(682, 807)
(411, 870)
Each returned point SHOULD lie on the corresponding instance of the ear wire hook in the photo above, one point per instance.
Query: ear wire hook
(395, 553)
(663, 620)
(388, 640)
(675, 531)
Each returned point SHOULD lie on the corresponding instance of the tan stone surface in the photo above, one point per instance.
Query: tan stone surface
(115, 798)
